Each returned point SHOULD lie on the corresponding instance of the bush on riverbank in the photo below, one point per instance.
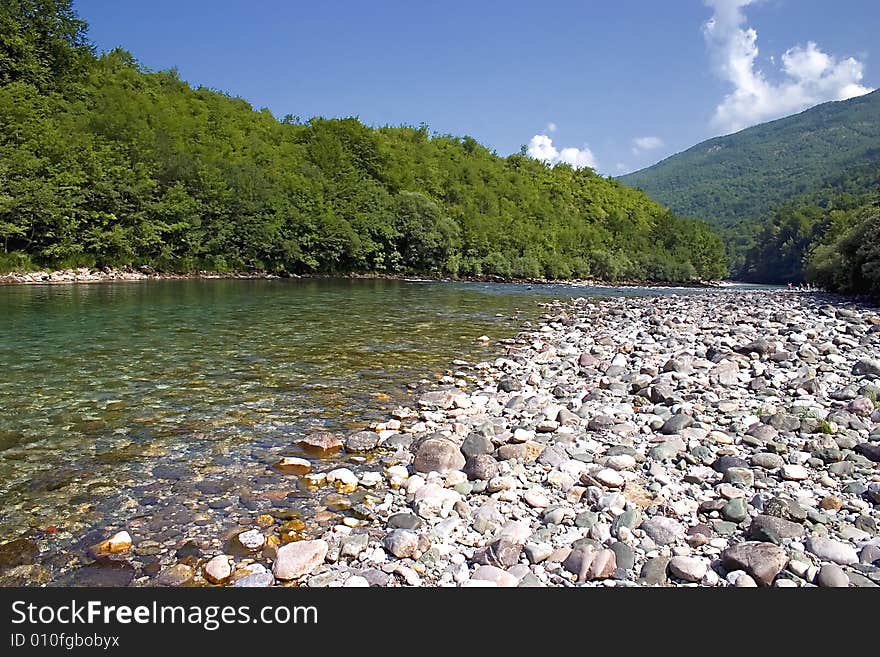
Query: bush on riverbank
(108, 164)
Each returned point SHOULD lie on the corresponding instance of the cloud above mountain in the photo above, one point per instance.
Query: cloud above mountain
(807, 75)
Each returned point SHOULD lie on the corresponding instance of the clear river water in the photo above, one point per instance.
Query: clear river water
(160, 406)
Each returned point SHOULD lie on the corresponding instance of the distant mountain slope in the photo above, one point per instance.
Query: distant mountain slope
(726, 180)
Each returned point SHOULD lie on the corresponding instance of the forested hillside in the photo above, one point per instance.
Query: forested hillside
(103, 162)
(830, 149)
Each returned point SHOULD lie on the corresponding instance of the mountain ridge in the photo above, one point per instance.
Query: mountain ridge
(745, 175)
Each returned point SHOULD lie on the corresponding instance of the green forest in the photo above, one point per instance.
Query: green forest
(835, 245)
(105, 163)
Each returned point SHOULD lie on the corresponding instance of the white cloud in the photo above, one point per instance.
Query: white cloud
(810, 76)
(541, 148)
(621, 167)
(551, 127)
(646, 144)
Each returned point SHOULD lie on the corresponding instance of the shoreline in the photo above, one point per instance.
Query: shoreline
(723, 440)
(509, 477)
(720, 440)
(112, 275)
(588, 454)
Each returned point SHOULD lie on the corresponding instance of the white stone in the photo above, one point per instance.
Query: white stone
(252, 539)
(356, 581)
(343, 479)
(610, 477)
(689, 569)
(536, 498)
(299, 558)
(218, 569)
(495, 575)
(621, 462)
(828, 549)
(371, 479)
(794, 472)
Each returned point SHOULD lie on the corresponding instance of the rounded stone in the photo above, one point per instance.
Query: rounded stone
(832, 576)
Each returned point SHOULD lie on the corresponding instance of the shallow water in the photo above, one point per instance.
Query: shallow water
(160, 406)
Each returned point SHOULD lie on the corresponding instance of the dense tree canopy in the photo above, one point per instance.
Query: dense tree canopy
(105, 163)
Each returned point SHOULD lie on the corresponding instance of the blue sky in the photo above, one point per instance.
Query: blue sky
(614, 85)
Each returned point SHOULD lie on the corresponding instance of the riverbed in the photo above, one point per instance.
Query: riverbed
(161, 406)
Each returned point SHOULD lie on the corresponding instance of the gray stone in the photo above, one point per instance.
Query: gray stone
(774, 530)
(867, 367)
(626, 557)
(586, 519)
(832, 576)
(481, 466)
(667, 450)
(870, 451)
(676, 424)
(362, 441)
(858, 580)
(502, 553)
(567, 418)
(763, 561)
(438, 455)
(353, 544)
(663, 530)
(553, 456)
(784, 422)
(866, 524)
(476, 444)
(404, 521)
(767, 460)
(787, 509)
(259, 580)
(509, 384)
(654, 571)
(631, 518)
(739, 477)
(759, 346)
(531, 581)
(735, 510)
(870, 554)
(762, 432)
(601, 423)
(723, 463)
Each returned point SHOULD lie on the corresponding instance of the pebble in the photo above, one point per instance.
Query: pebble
(252, 539)
(827, 549)
(793, 472)
(176, 575)
(832, 576)
(689, 569)
(218, 570)
(299, 558)
(763, 561)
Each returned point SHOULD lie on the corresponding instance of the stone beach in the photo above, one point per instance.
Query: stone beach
(721, 439)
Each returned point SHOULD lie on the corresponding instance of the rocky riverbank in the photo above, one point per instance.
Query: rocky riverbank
(111, 274)
(719, 439)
